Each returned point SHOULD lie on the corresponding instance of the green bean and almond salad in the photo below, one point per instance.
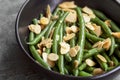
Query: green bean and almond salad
(75, 41)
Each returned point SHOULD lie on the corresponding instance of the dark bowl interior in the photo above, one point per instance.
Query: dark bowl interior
(32, 8)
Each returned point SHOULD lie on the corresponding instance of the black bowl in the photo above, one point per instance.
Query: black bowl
(32, 8)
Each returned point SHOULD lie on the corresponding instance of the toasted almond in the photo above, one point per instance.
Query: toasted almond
(98, 71)
(51, 63)
(44, 56)
(90, 26)
(68, 30)
(39, 51)
(90, 62)
(107, 43)
(55, 17)
(77, 48)
(65, 47)
(71, 17)
(92, 16)
(44, 21)
(76, 63)
(116, 34)
(69, 36)
(35, 28)
(71, 29)
(86, 18)
(73, 52)
(107, 22)
(97, 29)
(48, 12)
(53, 57)
(87, 10)
(111, 63)
(44, 49)
(102, 58)
(67, 5)
(98, 45)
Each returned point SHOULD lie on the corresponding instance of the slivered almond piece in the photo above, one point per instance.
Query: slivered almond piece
(76, 63)
(98, 45)
(44, 56)
(44, 21)
(107, 43)
(53, 57)
(98, 71)
(69, 36)
(90, 62)
(77, 48)
(116, 34)
(48, 12)
(97, 30)
(74, 50)
(55, 17)
(64, 48)
(92, 15)
(35, 28)
(86, 18)
(39, 51)
(101, 58)
(67, 5)
(71, 29)
(68, 30)
(90, 26)
(51, 63)
(107, 22)
(87, 10)
(111, 63)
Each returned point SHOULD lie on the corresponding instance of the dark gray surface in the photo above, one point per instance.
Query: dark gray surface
(14, 65)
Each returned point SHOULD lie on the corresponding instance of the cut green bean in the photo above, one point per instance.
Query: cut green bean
(84, 74)
(82, 66)
(68, 58)
(114, 59)
(35, 21)
(112, 48)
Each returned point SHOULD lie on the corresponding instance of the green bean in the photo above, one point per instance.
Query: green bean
(92, 32)
(110, 68)
(83, 73)
(114, 27)
(57, 26)
(89, 69)
(114, 59)
(117, 52)
(82, 66)
(75, 72)
(88, 44)
(56, 11)
(68, 58)
(102, 24)
(112, 47)
(93, 38)
(103, 65)
(39, 36)
(117, 41)
(72, 42)
(35, 53)
(41, 15)
(81, 38)
(47, 50)
(35, 21)
(106, 56)
(66, 71)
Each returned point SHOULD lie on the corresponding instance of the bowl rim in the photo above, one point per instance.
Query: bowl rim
(53, 72)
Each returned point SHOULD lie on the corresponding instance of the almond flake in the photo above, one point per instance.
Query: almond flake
(97, 30)
(107, 22)
(101, 58)
(65, 47)
(51, 63)
(76, 63)
(98, 45)
(111, 63)
(86, 18)
(74, 50)
(44, 56)
(44, 21)
(71, 29)
(69, 36)
(35, 28)
(98, 71)
(87, 10)
(116, 34)
(68, 5)
(90, 62)
(53, 57)
(92, 16)
(107, 43)
(48, 12)
(55, 17)
(90, 26)
(39, 51)
(77, 48)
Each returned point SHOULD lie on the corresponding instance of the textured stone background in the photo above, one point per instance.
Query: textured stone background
(14, 65)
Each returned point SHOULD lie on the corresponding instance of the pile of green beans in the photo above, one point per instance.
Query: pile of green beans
(84, 38)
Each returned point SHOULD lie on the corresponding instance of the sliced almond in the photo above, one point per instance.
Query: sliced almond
(67, 5)
(39, 51)
(77, 48)
(35, 28)
(51, 63)
(44, 21)
(90, 26)
(90, 62)
(74, 50)
(107, 22)
(44, 56)
(76, 63)
(69, 36)
(55, 17)
(116, 34)
(71, 29)
(107, 43)
(97, 29)
(111, 63)
(53, 57)
(48, 12)
(44, 49)
(92, 16)
(86, 18)
(64, 48)
(98, 71)
(102, 58)
(98, 45)
(87, 10)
